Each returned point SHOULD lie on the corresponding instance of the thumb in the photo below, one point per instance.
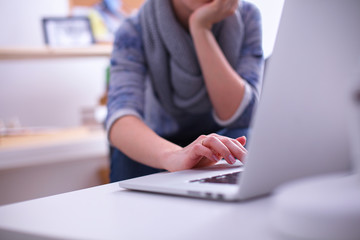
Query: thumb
(242, 140)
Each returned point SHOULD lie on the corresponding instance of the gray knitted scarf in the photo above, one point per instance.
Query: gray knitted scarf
(171, 58)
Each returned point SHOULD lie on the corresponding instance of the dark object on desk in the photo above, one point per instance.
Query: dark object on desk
(67, 31)
(230, 178)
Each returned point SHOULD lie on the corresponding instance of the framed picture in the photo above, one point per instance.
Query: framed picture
(67, 31)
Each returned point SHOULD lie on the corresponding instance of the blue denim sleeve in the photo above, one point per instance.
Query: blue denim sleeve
(127, 73)
(251, 62)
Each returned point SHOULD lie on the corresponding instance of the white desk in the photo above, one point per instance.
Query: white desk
(108, 212)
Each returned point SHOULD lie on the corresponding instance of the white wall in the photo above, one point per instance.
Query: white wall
(44, 92)
(20, 20)
(50, 92)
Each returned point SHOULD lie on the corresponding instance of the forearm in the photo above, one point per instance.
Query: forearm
(135, 139)
(225, 87)
(140, 143)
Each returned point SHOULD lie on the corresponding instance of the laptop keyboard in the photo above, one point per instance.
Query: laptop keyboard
(230, 178)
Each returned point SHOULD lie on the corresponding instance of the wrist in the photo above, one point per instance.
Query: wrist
(166, 159)
(198, 31)
(196, 23)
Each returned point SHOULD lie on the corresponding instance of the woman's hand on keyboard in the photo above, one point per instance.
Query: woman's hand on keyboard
(206, 150)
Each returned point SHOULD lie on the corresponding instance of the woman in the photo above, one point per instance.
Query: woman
(185, 77)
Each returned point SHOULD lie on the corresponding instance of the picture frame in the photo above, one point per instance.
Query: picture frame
(67, 31)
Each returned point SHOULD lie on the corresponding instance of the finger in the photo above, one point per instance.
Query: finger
(201, 150)
(214, 143)
(240, 143)
(217, 4)
(242, 140)
(236, 150)
(222, 6)
(218, 155)
(243, 153)
(230, 5)
(234, 4)
(236, 142)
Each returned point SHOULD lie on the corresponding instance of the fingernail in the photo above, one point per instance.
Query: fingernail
(232, 159)
(215, 158)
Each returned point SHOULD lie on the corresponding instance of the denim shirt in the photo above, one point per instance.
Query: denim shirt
(130, 91)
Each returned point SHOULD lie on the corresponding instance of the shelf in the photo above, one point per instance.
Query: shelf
(48, 146)
(55, 52)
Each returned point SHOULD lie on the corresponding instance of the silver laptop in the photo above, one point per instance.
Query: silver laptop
(300, 126)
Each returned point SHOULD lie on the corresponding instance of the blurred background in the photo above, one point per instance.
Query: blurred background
(54, 68)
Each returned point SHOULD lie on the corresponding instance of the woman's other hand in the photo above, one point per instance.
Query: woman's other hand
(206, 150)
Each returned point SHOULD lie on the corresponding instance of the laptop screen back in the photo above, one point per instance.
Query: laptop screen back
(300, 127)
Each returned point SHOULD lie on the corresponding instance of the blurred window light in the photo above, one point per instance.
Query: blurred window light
(271, 14)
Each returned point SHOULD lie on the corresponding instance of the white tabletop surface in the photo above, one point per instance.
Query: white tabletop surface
(109, 212)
